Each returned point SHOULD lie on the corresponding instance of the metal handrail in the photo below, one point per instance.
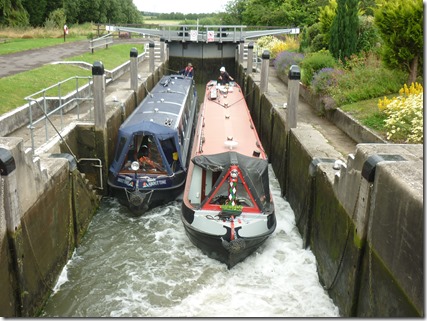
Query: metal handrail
(36, 99)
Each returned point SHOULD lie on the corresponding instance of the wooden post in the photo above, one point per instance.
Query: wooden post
(151, 48)
(250, 58)
(99, 94)
(264, 72)
(294, 77)
(134, 69)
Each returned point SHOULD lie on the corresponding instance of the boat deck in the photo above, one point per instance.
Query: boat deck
(230, 125)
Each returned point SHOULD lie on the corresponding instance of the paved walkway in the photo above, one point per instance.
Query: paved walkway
(14, 63)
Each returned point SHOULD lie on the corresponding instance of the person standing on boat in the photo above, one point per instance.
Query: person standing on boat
(224, 77)
(188, 71)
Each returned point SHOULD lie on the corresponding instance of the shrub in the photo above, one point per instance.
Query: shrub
(275, 45)
(365, 78)
(404, 114)
(285, 60)
(325, 79)
(314, 62)
(56, 19)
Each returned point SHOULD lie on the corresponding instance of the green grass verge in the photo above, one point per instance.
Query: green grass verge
(368, 114)
(17, 45)
(14, 89)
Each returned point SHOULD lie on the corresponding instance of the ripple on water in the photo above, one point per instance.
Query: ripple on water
(147, 267)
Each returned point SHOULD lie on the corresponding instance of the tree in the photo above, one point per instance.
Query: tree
(343, 36)
(36, 11)
(234, 12)
(400, 24)
(13, 14)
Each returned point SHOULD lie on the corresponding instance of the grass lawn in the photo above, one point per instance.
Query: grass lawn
(16, 45)
(368, 114)
(15, 88)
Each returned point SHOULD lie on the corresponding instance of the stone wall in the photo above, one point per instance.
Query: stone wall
(363, 221)
(44, 201)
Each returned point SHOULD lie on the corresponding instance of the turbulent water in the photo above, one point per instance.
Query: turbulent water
(147, 267)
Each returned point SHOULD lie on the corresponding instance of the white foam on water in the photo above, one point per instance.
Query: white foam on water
(147, 267)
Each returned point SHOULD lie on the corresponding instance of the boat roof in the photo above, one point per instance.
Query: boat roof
(227, 123)
(163, 105)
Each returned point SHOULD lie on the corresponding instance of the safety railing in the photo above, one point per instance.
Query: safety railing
(50, 105)
(100, 42)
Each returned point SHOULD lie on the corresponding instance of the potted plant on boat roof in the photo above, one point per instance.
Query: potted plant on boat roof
(231, 209)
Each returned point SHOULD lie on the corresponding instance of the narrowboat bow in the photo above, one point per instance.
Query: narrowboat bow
(153, 145)
(227, 207)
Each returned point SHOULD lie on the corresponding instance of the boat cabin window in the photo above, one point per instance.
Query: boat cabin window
(144, 150)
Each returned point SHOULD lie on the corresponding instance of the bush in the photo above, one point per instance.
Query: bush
(325, 79)
(404, 114)
(285, 60)
(275, 45)
(56, 19)
(363, 78)
(314, 62)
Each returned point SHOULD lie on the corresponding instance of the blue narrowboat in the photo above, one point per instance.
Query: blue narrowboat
(153, 146)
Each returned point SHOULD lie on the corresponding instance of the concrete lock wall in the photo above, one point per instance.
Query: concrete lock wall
(39, 215)
(364, 222)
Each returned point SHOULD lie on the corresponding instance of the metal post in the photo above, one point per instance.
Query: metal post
(99, 94)
(151, 48)
(264, 71)
(162, 49)
(250, 58)
(134, 69)
(293, 96)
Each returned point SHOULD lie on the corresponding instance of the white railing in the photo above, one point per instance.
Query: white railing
(101, 41)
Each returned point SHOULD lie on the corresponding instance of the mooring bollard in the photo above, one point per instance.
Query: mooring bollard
(151, 48)
(250, 58)
(134, 69)
(99, 94)
(264, 71)
(294, 77)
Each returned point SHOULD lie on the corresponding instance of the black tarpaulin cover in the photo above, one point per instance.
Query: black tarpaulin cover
(254, 171)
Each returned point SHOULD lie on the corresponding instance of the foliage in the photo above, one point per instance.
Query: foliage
(285, 60)
(274, 45)
(273, 13)
(364, 78)
(234, 12)
(343, 32)
(404, 92)
(326, 17)
(404, 120)
(12, 13)
(229, 207)
(368, 39)
(56, 19)
(400, 23)
(37, 13)
(312, 39)
(325, 79)
(314, 62)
